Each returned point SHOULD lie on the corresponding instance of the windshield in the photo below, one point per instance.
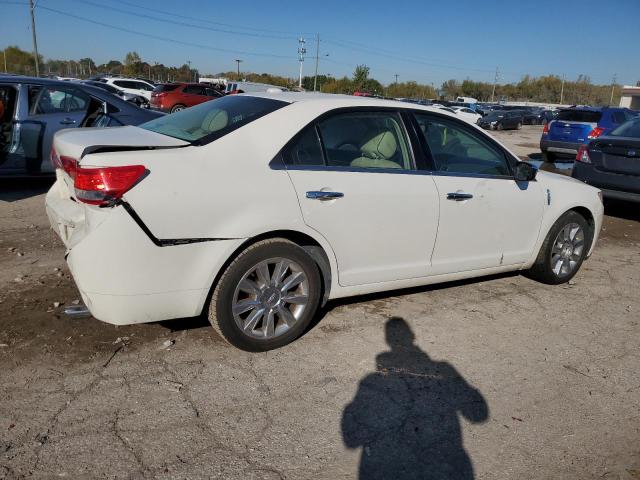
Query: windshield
(628, 129)
(213, 119)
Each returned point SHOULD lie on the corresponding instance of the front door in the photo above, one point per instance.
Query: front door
(357, 185)
(487, 219)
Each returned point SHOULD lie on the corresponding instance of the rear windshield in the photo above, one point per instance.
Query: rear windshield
(579, 116)
(167, 87)
(214, 119)
(628, 129)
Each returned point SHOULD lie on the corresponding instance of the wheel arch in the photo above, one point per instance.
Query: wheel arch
(311, 245)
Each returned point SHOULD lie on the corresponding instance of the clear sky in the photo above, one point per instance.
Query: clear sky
(423, 40)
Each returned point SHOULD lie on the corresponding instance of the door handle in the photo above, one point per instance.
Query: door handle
(459, 196)
(320, 195)
(68, 121)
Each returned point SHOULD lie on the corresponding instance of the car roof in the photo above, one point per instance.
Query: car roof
(346, 100)
(39, 80)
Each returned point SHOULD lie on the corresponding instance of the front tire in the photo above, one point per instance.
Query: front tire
(267, 296)
(519, 126)
(177, 108)
(563, 250)
(499, 126)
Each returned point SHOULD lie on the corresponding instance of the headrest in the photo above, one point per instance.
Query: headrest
(383, 145)
(215, 120)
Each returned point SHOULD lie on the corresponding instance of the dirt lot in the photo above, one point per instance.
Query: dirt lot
(503, 376)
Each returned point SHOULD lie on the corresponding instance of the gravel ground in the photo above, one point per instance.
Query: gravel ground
(503, 377)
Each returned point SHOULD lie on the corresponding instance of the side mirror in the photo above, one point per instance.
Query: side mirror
(524, 172)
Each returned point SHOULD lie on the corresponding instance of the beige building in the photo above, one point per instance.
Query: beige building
(630, 97)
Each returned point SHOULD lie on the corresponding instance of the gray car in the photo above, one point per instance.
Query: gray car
(32, 110)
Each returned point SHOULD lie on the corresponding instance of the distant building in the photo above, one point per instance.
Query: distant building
(630, 97)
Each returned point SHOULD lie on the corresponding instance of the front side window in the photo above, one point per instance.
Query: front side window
(211, 120)
(456, 149)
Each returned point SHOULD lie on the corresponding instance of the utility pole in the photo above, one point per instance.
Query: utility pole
(33, 34)
(396, 75)
(315, 77)
(301, 52)
(613, 86)
(4, 51)
(238, 61)
(190, 74)
(495, 80)
(562, 90)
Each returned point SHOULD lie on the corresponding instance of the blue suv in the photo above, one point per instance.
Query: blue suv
(573, 127)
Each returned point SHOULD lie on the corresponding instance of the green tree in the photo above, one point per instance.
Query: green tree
(132, 64)
(360, 77)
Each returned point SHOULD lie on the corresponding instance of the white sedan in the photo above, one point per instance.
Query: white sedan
(256, 209)
(466, 114)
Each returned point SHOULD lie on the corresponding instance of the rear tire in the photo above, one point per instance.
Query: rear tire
(499, 126)
(177, 108)
(519, 126)
(563, 250)
(549, 157)
(253, 308)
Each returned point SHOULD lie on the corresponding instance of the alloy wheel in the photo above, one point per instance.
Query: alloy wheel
(270, 298)
(567, 250)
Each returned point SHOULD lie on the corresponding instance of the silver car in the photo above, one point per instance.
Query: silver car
(32, 110)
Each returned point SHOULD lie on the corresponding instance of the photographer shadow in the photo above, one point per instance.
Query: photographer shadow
(405, 415)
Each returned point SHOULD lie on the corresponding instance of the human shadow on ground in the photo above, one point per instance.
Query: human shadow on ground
(405, 415)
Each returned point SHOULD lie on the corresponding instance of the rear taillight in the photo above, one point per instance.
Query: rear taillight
(583, 154)
(55, 159)
(545, 129)
(66, 163)
(103, 186)
(595, 133)
(69, 165)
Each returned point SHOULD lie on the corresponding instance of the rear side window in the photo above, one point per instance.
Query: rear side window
(211, 120)
(629, 129)
(372, 140)
(46, 100)
(579, 116)
(165, 88)
(194, 90)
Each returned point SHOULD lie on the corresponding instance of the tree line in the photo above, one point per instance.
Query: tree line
(546, 88)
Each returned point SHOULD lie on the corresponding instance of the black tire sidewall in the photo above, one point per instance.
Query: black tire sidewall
(234, 273)
(177, 108)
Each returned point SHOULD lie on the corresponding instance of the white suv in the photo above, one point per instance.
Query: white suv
(131, 85)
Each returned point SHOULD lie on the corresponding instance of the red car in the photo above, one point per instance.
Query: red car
(173, 97)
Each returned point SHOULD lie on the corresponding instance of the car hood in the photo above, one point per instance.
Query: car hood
(78, 142)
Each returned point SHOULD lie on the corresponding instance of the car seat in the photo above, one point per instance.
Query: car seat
(377, 152)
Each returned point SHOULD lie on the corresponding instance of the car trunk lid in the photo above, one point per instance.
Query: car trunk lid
(617, 155)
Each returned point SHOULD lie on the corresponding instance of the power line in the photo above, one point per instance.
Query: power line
(164, 39)
(165, 12)
(183, 24)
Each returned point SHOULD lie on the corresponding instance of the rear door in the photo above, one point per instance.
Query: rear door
(193, 95)
(357, 185)
(51, 108)
(573, 125)
(486, 218)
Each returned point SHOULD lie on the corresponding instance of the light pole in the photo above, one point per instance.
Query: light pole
(238, 62)
(301, 52)
(33, 35)
(613, 86)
